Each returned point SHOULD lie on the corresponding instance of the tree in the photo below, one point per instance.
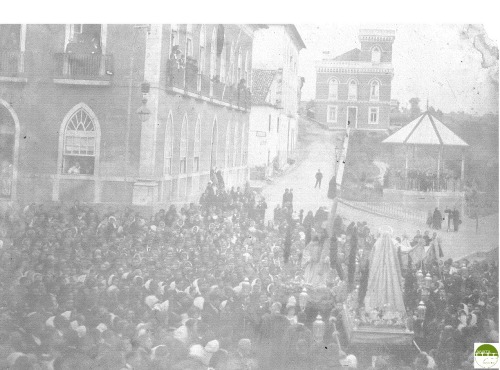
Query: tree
(415, 110)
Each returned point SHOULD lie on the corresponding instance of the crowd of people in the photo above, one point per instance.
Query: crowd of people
(209, 285)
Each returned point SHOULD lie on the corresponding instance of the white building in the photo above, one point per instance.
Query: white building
(275, 96)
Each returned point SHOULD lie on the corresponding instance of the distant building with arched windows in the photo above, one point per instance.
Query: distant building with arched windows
(355, 87)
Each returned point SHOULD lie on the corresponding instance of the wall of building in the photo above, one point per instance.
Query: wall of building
(41, 104)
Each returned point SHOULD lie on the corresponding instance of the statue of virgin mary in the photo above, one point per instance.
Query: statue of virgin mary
(384, 280)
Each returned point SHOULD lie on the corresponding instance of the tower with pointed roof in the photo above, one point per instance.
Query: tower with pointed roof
(354, 88)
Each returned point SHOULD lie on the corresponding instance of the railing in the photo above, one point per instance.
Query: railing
(426, 185)
(204, 85)
(83, 66)
(187, 77)
(12, 63)
(391, 210)
(176, 74)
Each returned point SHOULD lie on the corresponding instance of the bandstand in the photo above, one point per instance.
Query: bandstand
(429, 135)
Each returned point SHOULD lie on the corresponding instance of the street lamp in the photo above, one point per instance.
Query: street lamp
(303, 298)
(421, 309)
(420, 278)
(318, 329)
(428, 281)
(143, 112)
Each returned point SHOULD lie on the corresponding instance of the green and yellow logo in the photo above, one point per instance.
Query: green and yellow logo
(485, 355)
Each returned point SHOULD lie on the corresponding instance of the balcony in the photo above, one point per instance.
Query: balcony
(176, 73)
(186, 79)
(13, 66)
(83, 69)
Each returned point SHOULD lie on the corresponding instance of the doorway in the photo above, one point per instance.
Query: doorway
(352, 117)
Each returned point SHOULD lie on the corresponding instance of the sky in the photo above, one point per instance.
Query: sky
(430, 62)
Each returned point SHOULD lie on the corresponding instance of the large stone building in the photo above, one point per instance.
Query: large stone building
(275, 102)
(355, 87)
(122, 113)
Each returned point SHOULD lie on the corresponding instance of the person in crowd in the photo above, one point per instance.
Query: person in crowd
(456, 219)
(437, 219)
(449, 218)
(87, 287)
(319, 177)
(75, 169)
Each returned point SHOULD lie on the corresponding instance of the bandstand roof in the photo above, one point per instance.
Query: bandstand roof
(426, 130)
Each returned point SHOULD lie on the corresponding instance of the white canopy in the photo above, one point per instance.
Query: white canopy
(426, 130)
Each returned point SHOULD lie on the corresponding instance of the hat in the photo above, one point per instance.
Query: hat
(212, 346)
(151, 300)
(350, 361)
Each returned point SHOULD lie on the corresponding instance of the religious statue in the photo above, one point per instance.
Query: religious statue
(384, 280)
(316, 260)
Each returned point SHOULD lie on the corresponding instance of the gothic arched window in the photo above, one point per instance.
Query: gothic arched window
(374, 90)
(333, 89)
(376, 54)
(80, 143)
(353, 90)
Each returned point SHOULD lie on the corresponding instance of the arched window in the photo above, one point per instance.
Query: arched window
(183, 146)
(353, 90)
(197, 146)
(189, 40)
(228, 146)
(81, 136)
(214, 145)
(235, 143)
(9, 148)
(239, 72)
(333, 89)
(169, 145)
(374, 90)
(201, 54)
(248, 73)
(244, 147)
(231, 64)
(174, 36)
(213, 54)
(222, 74)
(376, 54)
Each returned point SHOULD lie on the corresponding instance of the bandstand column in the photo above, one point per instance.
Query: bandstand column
(462, 172)
(406, 168)
(439, 168)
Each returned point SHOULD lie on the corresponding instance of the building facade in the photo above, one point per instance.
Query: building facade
(122, 113)
(355, 87)
(275, 103)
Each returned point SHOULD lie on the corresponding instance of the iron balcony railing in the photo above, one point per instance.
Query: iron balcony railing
(13, 63)
(83, 66)
(186, 76)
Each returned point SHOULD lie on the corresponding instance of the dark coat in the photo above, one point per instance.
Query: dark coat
(332, 188)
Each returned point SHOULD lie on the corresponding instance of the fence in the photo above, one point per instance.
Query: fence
(390, 210)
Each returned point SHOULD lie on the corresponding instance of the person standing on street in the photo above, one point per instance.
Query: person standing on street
(319, 177)
(449, 214)
(456, 219)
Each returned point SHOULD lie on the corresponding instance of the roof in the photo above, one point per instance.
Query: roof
(426, 130)
(262, 80)
(351, 56)
(296, 35)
